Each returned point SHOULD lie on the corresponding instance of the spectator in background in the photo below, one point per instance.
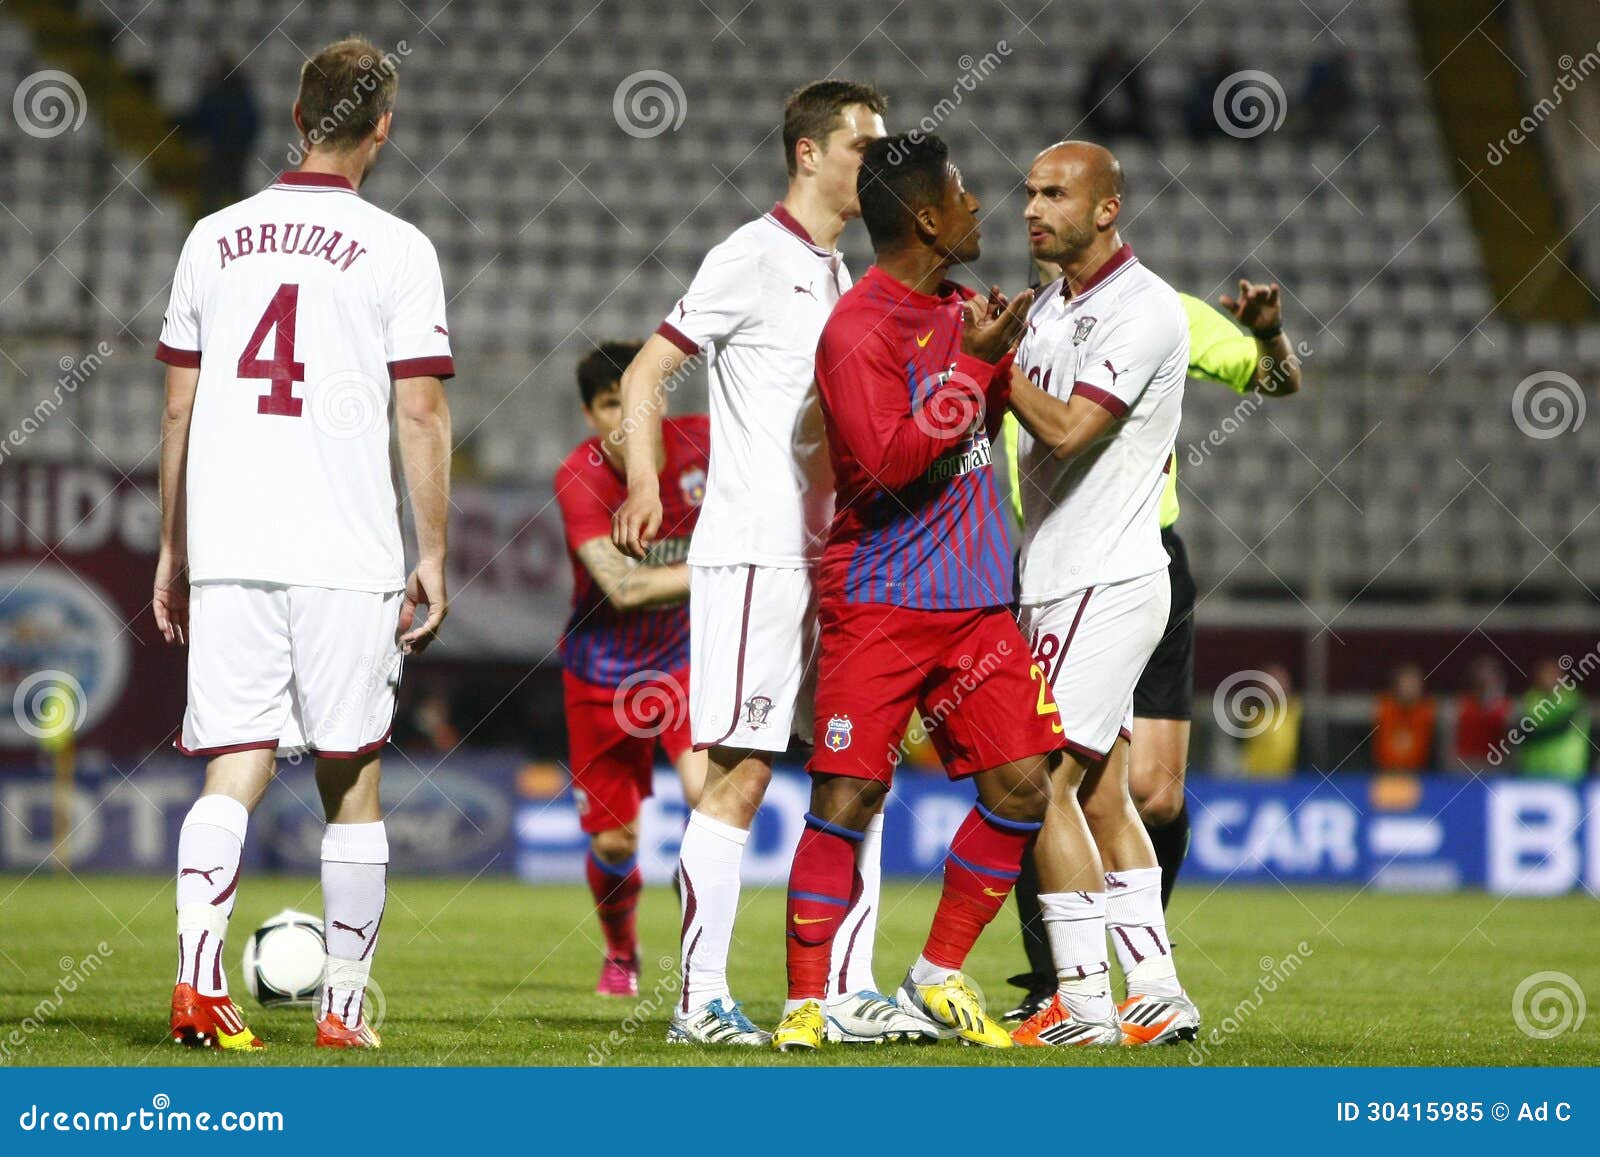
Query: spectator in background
(1270, 748)
(225, 122)
(1199, 106)
(1329, 96)
(1114, 100)
(1482, 716)
(1554, 726)
(1402, 735)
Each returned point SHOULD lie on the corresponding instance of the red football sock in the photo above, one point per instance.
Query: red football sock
(616, 888)
(822, 883)
(985, 859)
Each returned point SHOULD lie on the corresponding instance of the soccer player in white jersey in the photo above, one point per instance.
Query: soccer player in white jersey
(299, 317)
(1098, 387)
(755, 310)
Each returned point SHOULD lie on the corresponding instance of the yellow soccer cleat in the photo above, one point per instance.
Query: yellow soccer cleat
(801, 1030)
(954, 1006)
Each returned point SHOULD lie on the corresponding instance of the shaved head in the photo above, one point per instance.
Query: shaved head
(1096, 166)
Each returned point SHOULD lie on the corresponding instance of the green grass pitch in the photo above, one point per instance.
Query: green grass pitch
(496, 972)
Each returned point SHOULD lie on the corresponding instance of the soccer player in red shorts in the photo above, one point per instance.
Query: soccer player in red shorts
(913, 590)
(626, 647)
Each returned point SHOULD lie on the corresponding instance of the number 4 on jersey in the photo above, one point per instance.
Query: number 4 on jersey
(282, 370)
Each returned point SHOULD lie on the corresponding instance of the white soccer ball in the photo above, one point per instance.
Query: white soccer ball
(284, 959)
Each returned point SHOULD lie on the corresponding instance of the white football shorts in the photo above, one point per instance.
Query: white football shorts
(1092, 646)
(291, 668)
(751, 644)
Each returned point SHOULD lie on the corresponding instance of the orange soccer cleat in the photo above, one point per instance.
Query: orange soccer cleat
(1158, 1020)
(1054, 1025)
(332, 1034)
(209, 1022)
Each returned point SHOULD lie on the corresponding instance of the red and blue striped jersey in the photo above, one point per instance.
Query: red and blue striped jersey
(918, 520)
(602, 644)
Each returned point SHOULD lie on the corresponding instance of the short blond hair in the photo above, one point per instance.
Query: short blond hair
(344, 91)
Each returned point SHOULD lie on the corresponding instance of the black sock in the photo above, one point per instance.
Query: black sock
(1171, 842)
(1034, 939)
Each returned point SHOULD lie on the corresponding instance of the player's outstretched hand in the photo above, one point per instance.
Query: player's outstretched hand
(170, 601)
(424, 587)
(1257, 307)
(991, 326)
(634, 525)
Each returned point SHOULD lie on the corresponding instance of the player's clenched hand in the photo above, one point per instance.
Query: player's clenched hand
(634, 525)
(989, 328)
(1257, 307)
(170, 601)
(424, 587)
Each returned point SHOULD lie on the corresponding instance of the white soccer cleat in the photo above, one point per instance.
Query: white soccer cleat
(868, 1017)
(1158, 1020)
(716, 1023)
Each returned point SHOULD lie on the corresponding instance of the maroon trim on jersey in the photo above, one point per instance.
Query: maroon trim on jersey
(186, 359)
(1083, 751)
(738, 682)
(1125, 734)
(228, 749)
(787, 220)
(1166, 467)
(678, 338)
(1118, 261)
(442, 366)
(315, 180)
(364, 749)
(1105, 399)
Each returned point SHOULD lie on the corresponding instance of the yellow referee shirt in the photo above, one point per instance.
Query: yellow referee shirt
(1219, 351)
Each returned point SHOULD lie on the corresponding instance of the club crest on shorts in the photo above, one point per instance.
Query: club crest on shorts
(756, 710)
(838, 736)
(693, 484)
(1085, 324)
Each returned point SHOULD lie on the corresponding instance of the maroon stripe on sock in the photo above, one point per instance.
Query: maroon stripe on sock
(849, 949)
(222, 896)
(345, 1016)
(216, 970)
(1157, 938)
(197, 949)
(373, 943)
(688, 958)
(1138, 957)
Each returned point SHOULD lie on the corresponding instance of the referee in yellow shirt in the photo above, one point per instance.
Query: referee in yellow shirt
(1260, 359)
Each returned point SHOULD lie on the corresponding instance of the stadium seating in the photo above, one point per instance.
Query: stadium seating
(555, 226)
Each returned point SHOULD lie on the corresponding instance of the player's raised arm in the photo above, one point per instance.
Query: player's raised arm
(1067, 427)
(423, 417)
(170, 601)
(644, 402)
(1259, 309)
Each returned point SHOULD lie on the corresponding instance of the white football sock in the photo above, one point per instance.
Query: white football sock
(355, 870)
(209, 847)
(708, 866)
(924, 971)
(850, 967)
(1139, 932)
(1076, 925)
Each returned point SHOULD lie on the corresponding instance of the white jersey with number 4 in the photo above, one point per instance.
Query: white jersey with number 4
(1123, 342)
(756, 309)
(300, 306)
